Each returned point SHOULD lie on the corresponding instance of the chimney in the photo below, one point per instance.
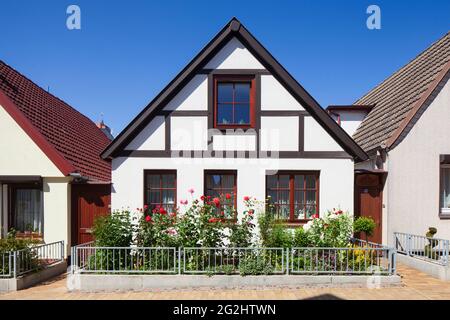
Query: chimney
(106, 130)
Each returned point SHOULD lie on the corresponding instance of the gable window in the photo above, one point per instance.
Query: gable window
(160, 189)
(444, 197)
(234, 102)
(217, 185)
(295, 195)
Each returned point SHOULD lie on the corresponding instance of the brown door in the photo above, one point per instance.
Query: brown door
(368, 201)
(88, 202)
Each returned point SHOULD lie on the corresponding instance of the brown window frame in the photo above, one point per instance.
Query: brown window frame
(160, 172)
(292, 190)
(206, 173)
(235, 79)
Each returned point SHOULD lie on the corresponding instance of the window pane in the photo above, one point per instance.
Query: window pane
(225, 92)
(310, 210)
(310, 198)
(445, 197)
(225, 113)
(168, 181)
(310, 182)
(153, 181)
(283, 181)
(299, 199)
(283, 212)
(242, 114)
(299, 182)
(273, 195)
(28, 210)
(283, 197)
(154, 197)
(242, 92)
(272, 181)
(228, 181)
(168, 196)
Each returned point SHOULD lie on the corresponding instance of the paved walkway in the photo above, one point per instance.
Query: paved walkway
(416, 285)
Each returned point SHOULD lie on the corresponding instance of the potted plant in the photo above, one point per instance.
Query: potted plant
(365, 225)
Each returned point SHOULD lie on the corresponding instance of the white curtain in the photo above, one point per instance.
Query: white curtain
(28, 215)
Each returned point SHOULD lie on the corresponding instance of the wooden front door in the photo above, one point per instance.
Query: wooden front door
(368, 201)
(88, 202)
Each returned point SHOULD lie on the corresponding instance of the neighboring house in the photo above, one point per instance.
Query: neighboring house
(405, 185)
(235, 121)
(52, 178)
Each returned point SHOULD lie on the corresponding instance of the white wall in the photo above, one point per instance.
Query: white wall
(189, 133)
(350, 121)
(279, 133)
(336, 178)
(317, 139)
(152, 137)
(57, 210)
(413, 178)
(194, 96)
(275, 97)
(234, 55)
(19, 154)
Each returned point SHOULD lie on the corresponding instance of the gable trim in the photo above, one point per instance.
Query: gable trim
(419, 107)
(235, 29)
(55, 157)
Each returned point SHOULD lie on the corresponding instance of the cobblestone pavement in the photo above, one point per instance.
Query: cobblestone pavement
(415, 285)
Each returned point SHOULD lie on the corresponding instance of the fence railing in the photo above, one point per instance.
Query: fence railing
(20, 262)
(357, 259)
(351, 260)
(234, 260)
(87, 258)
(434, 250)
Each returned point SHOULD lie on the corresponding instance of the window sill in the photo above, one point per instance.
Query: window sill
(293, 224)
(444, 213)
(29, 235)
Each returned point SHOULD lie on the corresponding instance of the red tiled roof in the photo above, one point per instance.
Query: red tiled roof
(74, 136)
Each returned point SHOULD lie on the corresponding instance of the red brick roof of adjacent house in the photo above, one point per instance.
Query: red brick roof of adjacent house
(74, 136)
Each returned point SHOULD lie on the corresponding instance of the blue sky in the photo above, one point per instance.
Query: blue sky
(127, 51)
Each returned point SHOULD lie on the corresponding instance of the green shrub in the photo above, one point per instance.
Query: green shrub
(114, 230)
(255, 264)
(301, 239)
(280, 237)
(365, 225)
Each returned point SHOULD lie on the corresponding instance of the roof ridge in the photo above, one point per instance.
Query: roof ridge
(47, 92)
(421, 53)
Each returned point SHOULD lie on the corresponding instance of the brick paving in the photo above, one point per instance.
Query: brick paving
(415, 285)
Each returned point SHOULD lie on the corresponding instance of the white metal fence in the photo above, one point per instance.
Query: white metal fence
(20, 262)
(434, 250)
(362, 258)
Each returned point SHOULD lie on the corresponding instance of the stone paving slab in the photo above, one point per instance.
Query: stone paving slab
(415, 285)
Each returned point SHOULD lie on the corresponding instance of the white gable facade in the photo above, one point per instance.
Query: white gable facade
(277, 148)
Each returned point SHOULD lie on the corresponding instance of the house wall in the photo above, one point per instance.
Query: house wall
(413, 178)
(283, 126)
(30, 160)
(350, 121)
(336, 178)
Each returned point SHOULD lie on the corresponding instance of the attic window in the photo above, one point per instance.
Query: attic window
(234, 102)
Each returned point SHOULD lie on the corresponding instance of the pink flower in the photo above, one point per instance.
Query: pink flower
(148, 218)
(184, 202)
(216, 202)
(145, 207)
(246, 198)
(162, 210)
(191, 190)
(251, 211)
(315, 216)
(228, 196)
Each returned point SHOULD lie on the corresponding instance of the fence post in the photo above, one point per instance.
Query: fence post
(446, 251)
(392, 260)
(287, 261)
(62, 250)
(408, 245)
(72, 260)
(179, 260)
(15, 264)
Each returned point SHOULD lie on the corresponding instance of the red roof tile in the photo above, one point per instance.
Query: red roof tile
(73, 135)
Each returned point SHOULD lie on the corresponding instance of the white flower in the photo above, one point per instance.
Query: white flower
(308, 225)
